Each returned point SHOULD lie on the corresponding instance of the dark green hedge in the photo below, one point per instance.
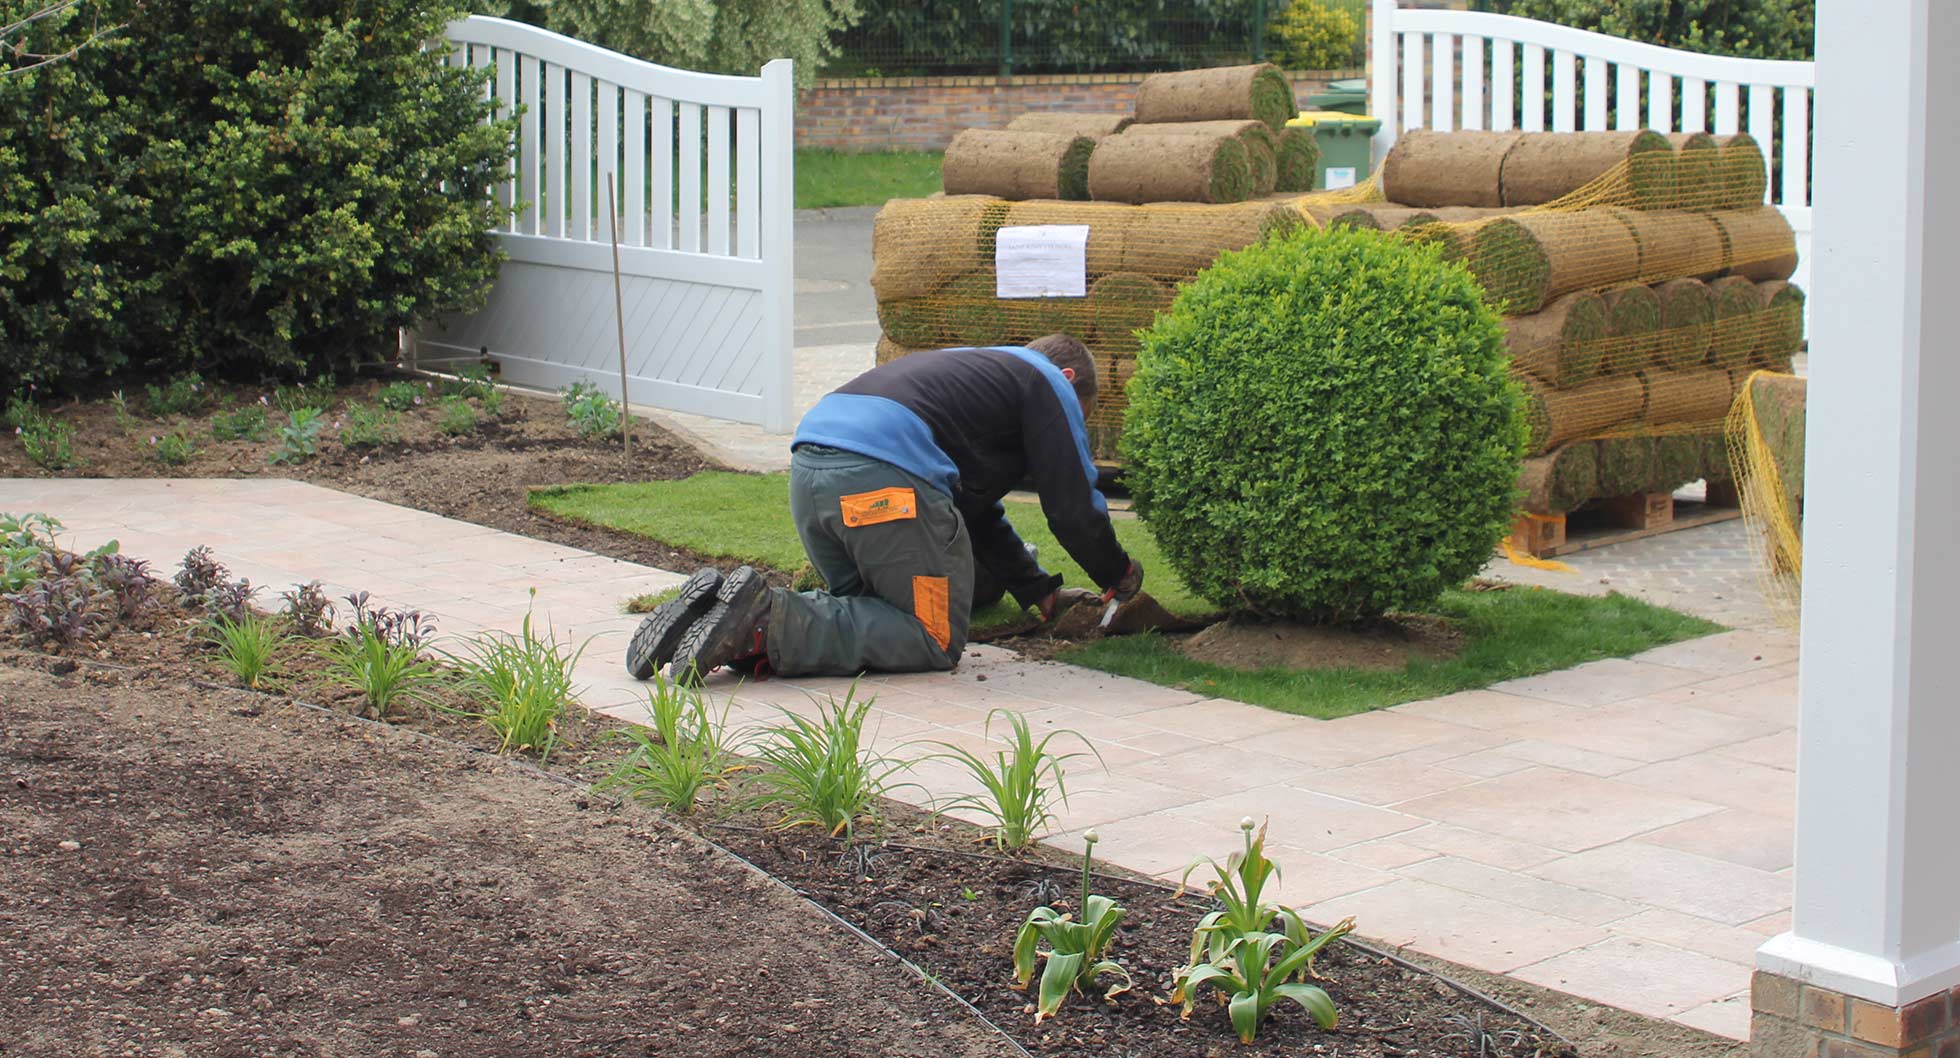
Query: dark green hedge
(1322, 427)
(235, 186)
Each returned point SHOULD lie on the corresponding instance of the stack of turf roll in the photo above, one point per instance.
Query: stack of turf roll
(1258, 139)
(1071, 123)
(1018, 164)
(1213, 112)
(1259, 92)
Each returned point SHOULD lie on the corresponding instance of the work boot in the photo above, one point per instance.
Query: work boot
(655, 641)
(731, 631)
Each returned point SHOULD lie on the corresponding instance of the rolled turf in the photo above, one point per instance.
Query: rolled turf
(917, 244)
(1547, 166)
(1429, 169)
(1745, 176)
(1781, 332)
(1759, 242)
(1109, 228)
(1687, 322)
(1633, 323)
(1698, 177)
(1738, 322)
(1686, 397)
(1122, 303)
(1557, 416)
(1562, 343)
(1677, 459)
(1627, 465)
(1031, 318)
(1296, 159)
(1560, 481)
(1675, 243)
(1524, 261)
(1259, 140)
(1779, 403)
(969, 311)
(1018, 165)
(1259, 91)
(911, 322)
(1094, 126)
(1140, 169)
(1171, 242)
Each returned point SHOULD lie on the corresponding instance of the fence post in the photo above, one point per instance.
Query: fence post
(1258, 30)
(1007, 38)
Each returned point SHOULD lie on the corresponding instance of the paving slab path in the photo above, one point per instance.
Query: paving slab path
(1620, 831)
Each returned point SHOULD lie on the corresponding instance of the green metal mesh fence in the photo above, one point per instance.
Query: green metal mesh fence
(902, 38)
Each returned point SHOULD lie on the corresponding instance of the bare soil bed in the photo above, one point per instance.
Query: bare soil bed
(1385, 645)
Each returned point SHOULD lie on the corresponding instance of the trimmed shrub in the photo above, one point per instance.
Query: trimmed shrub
(1322, 427)
(1309, 35)
(233, 186)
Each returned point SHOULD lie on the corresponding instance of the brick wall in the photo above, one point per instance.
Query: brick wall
(923, 113)
(1795, 1020)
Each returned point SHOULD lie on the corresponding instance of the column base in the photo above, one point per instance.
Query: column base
(1796, 1020)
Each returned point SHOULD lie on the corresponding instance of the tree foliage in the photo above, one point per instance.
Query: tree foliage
(236, 185)
(714, 36)
(1755, 29)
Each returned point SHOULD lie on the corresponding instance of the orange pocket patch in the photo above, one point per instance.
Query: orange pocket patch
(874, 508)
(932, 604)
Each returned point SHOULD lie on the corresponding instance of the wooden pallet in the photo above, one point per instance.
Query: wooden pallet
(1618, 519)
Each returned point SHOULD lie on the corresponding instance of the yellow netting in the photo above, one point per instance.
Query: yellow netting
(1641, 279)
(1765, 435)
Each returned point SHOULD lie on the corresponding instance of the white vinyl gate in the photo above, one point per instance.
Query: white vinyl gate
(704, 170)
(1444, 70)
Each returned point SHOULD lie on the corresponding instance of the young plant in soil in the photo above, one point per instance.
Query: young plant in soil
(1018, 785)
(24, 538)
(183, 395)
(380, 656)
(129, 583)
(458, 418)
(1074, 957)
(523, 683)
(594, 414)
(197, 574)
(369, 427)
(241, 424)
(308, 610)
(399, 396)
(318, 395)
(299, 438)
(1239, 886)
(60, 605)
(48, 441)
(172, 449)
(244, 646)
(822, 772)
(1253, 983)
(682, 753)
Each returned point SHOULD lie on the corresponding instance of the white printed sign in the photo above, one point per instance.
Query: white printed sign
(1340, 176)
(1042, 261)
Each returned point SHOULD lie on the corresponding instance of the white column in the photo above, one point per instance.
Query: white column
(1878, 800)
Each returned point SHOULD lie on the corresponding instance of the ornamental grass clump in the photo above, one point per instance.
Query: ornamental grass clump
(245, 646)
(1322, 427)
(521, 684)
(681, 754)
(1018, 787)
(1073, 960)
(380, 657)
(823, 772)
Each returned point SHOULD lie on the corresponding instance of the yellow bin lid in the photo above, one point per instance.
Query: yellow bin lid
(1315, 117)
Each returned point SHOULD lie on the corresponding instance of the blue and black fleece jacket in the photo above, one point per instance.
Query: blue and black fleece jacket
(976, 422)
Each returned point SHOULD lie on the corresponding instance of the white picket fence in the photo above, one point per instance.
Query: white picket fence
(704, 171)
(1444, 70)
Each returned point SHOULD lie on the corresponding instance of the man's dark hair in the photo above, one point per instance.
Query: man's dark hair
(1064, 351)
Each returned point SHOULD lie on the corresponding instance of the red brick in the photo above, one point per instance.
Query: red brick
(1883, 1025)
(1847, 1049)
(1949, 1049)
(1923, 1020)
(1823, 1009)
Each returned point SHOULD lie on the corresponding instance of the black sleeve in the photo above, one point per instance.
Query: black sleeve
(998, 547)
(1067, 488)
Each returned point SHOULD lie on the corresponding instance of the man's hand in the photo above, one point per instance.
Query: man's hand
(1132, 582)
(1060, 601)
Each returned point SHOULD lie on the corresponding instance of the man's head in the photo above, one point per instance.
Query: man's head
(1076, 364)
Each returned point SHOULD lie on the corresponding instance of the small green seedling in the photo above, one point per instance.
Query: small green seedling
(823, 772)
(299, 438)
(1253, 983)
(385, 669)
(523, 684)
(683, 752)
(245, 646)
(1075, 948)
(1018, 787)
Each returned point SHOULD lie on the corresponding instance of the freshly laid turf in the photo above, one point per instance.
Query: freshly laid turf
(1507, 634)
(826, 179)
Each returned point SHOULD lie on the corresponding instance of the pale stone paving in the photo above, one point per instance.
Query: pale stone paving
(1620, 831)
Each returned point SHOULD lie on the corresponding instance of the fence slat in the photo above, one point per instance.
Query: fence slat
(1694, 105)
(1413, 95)
(662, 219)
(718, 180)
(1627, 97)
(1762, 116)
(1473, 82)
(1660, 101)
(1564, 68)
(689, 211)
(1728, 108)
(1595, 94)
(1503, 85)
(633, 169)
(507, 96)
(528, 139)
(1533, 90)
(748, 182)
(552, 150)
(1794, 149)
(608, 159)
(579, 174)
(1444, 104)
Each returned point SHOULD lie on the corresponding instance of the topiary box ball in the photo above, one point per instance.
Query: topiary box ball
(1322, 427)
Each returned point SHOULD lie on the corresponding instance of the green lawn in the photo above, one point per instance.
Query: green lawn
(827, 178)
(1507, 634)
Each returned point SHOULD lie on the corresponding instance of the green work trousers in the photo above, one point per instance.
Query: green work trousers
(894, 552)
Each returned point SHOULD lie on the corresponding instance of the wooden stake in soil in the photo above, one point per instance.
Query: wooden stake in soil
(1137, 169)
(619, 320)
(1430, 169)
(1018, 165)
(1547, 166)
(1561, 344)
(1068, 123)
(1260, 92)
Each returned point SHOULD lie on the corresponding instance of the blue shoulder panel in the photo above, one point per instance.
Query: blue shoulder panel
(881, 428)
(1071, 409)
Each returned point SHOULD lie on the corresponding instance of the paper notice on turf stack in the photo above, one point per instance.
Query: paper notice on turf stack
(1042, 261)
